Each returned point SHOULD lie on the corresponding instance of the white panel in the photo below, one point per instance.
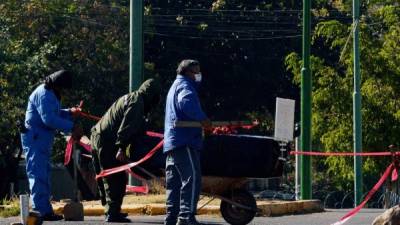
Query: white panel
(284, 119)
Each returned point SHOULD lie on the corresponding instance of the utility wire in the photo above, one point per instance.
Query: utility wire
(224, 38)
(354, 26)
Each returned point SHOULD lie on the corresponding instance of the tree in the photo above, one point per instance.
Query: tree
(332, 68)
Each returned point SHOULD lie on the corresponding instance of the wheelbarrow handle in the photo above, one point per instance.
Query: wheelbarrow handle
(213, 124)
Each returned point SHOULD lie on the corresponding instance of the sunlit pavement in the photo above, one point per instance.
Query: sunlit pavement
(364, 217)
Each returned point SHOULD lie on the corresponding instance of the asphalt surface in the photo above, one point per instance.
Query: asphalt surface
(364, 217)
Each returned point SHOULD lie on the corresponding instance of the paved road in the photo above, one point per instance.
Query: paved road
(365, 217)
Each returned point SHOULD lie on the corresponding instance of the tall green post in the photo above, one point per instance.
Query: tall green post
(305, 136)
(357, 129)
(135, 50)
(136, 45)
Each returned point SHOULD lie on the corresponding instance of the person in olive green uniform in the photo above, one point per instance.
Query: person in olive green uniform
(123, 122)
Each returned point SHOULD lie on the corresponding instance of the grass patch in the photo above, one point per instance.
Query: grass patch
(144, 199)
(157, 187)
(160, 199)
(9, 208)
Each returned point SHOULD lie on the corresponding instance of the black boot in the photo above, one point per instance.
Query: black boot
(192, 221)
(117, 218)
(51, 217)
(123, 214)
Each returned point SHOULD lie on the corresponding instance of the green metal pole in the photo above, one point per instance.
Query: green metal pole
(136, 45)
(305, 136)
(357, 132)
(135, 51)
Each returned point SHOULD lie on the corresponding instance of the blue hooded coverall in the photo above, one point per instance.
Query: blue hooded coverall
(43, 116)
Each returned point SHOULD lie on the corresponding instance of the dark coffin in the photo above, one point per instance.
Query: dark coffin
(223, 155)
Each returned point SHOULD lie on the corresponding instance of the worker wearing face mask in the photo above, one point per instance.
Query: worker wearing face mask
(182, 145)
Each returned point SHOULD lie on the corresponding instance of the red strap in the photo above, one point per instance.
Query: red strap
(232, 129)
(80, 113)
(137, 189)
(87, 115)
(68, 149)
(395, 175)
(144, 189)
(87, 147)
(118, 169)
(154, 134)
(353, 212)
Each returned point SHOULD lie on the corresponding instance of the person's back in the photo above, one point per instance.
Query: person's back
(110, 124)
(122, 122)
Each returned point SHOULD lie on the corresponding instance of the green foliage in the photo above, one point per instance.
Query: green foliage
(91, 38)
(265, 120)
(46, 36)
(333, 88)
(10, 208)
(241, 46)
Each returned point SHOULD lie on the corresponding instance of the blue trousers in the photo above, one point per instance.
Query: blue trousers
(183, 184)
(37, 148)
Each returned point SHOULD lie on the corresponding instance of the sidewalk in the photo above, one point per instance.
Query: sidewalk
(266, 208)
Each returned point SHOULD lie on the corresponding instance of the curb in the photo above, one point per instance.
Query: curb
(290, 207)
(274, 208)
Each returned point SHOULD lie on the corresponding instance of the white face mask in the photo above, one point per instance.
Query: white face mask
(198, 77)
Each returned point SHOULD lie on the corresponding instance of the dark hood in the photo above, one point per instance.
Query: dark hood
(61, 79)
(150, 90)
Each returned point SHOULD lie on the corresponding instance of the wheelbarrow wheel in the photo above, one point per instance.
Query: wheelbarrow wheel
(237, 215)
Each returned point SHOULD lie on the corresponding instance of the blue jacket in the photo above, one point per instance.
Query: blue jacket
(182, 105)
(43, 117)
(44, 114)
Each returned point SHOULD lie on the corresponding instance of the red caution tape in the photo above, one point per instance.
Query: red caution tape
(353, 212)
(232, 129)
(68, 149)
(154, 134)
(391, 169)
(395, 175)
(137, 189)
(78, 112)
(128, 166)
(86, 115)
(144, 189)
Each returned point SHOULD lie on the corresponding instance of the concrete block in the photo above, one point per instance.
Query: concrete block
(73, 211)
(312, 206)
(264, 210)
(279, 208)
(295, 207)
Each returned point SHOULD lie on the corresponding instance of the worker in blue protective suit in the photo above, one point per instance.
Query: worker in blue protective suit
(182, 145)
(43, 118)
